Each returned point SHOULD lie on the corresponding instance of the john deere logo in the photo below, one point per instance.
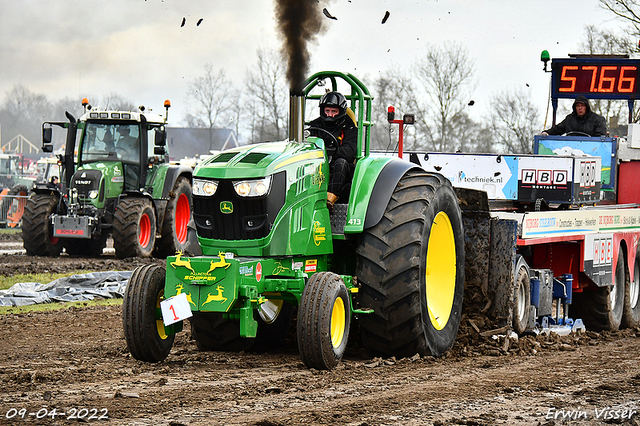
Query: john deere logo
(226, 207)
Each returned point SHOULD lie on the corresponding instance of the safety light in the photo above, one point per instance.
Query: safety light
(391, 113)
(204, 187)
(544, 57)
(252, 188)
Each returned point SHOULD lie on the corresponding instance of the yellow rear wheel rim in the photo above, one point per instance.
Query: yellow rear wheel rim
(338, 316)
(440, 273)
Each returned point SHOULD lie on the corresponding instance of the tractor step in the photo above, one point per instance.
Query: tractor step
(339, 218)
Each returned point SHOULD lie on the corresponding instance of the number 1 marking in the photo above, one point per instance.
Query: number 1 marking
(175, 317)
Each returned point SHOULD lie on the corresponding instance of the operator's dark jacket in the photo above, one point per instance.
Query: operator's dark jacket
(590, 123)
(346, 134)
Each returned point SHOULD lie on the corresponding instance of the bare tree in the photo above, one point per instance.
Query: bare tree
(266, 82)
(208, 96)
(514, 120)
(391, 88)
(598, 42)
(626, 10)
(23, 113)
(446, 75)
(115, 102)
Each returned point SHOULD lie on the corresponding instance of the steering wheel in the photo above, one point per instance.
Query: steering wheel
(122, 152)
(334, 140)
(575, 133)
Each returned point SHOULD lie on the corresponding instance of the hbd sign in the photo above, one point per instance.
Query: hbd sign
(544, 177)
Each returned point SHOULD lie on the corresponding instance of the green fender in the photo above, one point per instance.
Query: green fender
(374, 180)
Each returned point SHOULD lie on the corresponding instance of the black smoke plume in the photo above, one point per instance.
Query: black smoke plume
(300, 21)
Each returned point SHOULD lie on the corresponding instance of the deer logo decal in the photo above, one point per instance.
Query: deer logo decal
(216, 297)
(180, 262)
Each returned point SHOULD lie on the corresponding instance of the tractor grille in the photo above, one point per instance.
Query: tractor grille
(85, 181)
(251, 218)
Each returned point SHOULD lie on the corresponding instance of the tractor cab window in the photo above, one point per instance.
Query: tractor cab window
(118, 141)
(128, 142)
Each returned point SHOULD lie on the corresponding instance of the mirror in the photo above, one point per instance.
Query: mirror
(46, 135)
(160, 138)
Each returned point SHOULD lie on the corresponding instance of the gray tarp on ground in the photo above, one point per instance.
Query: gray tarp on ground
(81, 287)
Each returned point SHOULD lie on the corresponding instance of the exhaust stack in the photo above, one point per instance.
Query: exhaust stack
(296, 117)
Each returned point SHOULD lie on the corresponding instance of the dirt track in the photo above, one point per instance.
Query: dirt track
(77, 358)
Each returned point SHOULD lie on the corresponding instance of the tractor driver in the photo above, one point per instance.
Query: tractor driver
(127, 145)
(128, 150)
(339, 132)
(581, 120)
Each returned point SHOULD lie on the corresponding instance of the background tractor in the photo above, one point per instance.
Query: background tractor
(391, 257)
(116, 180)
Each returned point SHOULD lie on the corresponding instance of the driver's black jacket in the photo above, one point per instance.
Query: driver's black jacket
(590, 123)
(346, 133)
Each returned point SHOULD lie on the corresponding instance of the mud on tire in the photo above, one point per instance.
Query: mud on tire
(176, 218)
(522, 296)
(411, 270)
(134, 228)
(37, 230)
(324, 317)
(631, 309)
(602, 307)
(144, 330)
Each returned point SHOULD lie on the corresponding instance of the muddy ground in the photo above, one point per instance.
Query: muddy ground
(68, 360)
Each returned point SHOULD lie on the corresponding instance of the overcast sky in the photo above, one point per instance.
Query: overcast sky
(137, 48)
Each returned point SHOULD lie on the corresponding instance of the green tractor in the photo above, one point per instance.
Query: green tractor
(118, 181)
(392, 257)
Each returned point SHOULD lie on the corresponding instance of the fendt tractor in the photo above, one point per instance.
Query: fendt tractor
(117, 180)
(391, 256)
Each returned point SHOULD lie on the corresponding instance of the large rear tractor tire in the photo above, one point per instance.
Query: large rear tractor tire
(411, 270)
(12, 205)
(176, 218)
(134, 228)
(37, 230)
(522, 296)
(144, 329)
(602, 308)
(631, 310)
(324, 316)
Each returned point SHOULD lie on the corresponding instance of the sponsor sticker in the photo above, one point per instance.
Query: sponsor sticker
(311, 265)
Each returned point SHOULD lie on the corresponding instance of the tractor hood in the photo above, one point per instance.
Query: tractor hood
(259, 160)
(106, 177)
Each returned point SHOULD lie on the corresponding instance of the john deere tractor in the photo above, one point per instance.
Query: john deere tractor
(120, 184)
(391, 256)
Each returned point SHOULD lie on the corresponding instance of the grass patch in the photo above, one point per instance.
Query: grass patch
(10, 230)
(46, 307)
(45, 278)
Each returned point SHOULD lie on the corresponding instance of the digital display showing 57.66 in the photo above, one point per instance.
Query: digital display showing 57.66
(596, 78)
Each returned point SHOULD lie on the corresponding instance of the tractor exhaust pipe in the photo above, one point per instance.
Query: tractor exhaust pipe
(296, 117)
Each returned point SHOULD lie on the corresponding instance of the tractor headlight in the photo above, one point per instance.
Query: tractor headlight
(204, 187)
(252, 188)
(93, 194)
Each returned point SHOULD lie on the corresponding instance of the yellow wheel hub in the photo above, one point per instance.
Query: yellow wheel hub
(338, 316)
(159, 323)
(440, 271)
